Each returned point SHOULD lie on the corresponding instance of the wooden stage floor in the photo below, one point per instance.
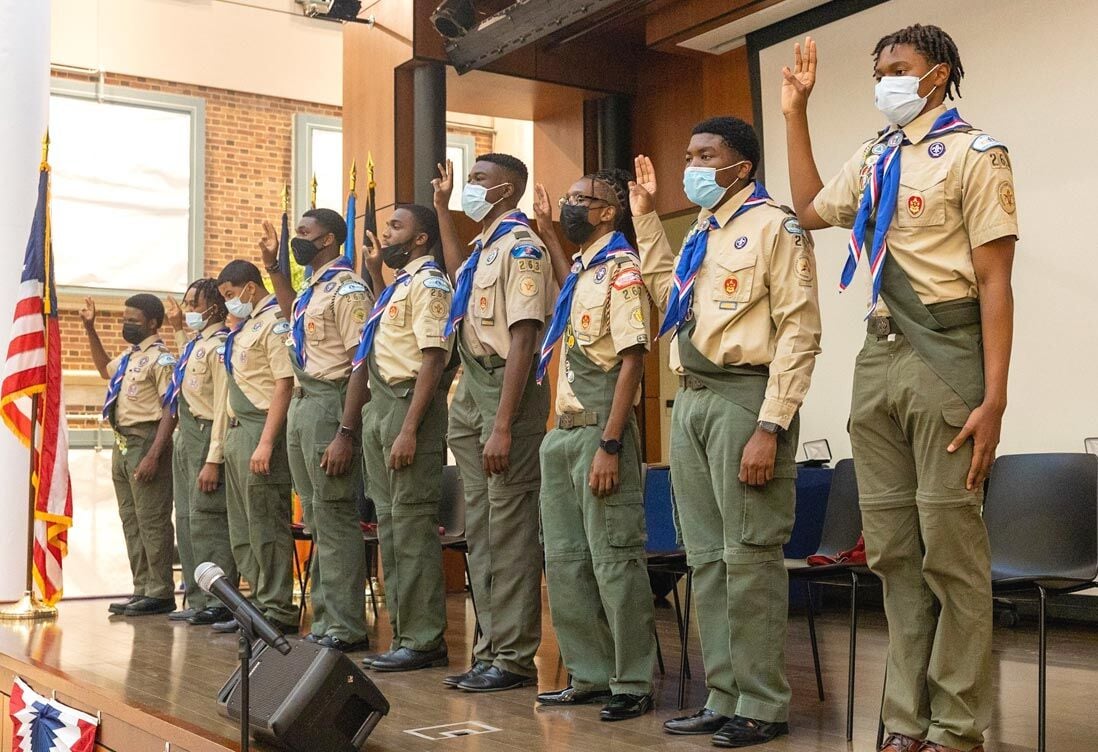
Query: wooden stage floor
(168, 672)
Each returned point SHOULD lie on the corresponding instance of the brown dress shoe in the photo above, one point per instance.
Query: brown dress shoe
(933, 747)
(901, 743)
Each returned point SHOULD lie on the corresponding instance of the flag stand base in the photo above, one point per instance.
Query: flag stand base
(27, 608)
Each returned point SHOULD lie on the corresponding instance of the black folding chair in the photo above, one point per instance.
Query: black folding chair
(841, 529)
(1041, 513)
(664, 554)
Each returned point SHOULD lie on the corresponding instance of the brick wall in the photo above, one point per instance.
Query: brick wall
(248, 161)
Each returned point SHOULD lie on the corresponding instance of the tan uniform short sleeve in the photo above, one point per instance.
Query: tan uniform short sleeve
(987, 196)
(657, 257)
(795, 311)
(112, 367)
(525, 293)
(278, 354)
(430, 308)
(220, 378)
(351, 310)
(837, 202)
(629, 308)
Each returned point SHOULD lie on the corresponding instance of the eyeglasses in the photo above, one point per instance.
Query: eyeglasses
(580, 199)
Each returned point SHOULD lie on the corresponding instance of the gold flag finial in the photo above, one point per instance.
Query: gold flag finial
(285, 199)
(370, 170)
(46, 148)
(312, 193)
(354, 174)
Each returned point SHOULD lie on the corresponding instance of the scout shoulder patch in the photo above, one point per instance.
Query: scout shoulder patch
(526, 251)
(436, 283)
(629, 277)
(282, 327)
(793, 226)
(167, 359)
(350, 287)
(983, 142)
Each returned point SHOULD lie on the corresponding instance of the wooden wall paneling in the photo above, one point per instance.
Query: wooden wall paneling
(371, 57)
(685, 19)
(726, 85)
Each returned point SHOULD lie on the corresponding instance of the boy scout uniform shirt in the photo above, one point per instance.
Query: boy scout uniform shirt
(260, 355)
(205, 384)
(513, 282)
(414, 321)
(610, 313)
(956, 193)
(333, 323)
(144, 384)
(755, 300)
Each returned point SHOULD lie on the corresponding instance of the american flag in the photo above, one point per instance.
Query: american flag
(31, 403)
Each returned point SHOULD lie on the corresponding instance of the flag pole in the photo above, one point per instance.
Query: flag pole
(28, 606)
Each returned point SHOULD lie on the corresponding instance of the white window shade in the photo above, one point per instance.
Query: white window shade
(126, 203)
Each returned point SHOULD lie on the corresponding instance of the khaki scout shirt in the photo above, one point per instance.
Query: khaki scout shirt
(956, 193)
(333, 324)
(413, 321)
(205, 382)
(513, 282)
(260, 354)
(610, 314)
(144, 384)
(755, 298)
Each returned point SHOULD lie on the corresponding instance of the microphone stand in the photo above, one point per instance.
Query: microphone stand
(247, 637)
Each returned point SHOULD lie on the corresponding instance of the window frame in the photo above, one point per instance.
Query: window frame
(301, 169)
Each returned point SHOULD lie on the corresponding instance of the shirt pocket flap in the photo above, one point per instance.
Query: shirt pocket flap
(400, 293)
(487, 274)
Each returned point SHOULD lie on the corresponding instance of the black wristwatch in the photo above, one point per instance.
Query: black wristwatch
(275, 267)
(346, 431)
(769, 427)
(610, 446)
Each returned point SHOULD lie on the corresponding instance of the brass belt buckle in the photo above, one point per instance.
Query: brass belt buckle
(567, 421)
(880, 326)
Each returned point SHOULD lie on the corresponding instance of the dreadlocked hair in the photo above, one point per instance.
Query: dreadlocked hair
(933, 44)
(207, 288)
(618, 182)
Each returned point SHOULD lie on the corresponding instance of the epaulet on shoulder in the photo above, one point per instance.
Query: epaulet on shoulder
(981, 142)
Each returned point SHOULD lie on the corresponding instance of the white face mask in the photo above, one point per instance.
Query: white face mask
(897, 97)
(194, 321)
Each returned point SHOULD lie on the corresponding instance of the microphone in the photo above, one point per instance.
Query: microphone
(211, 578)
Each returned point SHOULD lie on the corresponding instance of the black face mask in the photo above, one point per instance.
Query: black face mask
(304, 250)
(396, 256)
(573, 220)
(133, 333)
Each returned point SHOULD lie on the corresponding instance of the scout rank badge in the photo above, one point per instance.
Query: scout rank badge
(528, 287)
(915, 205)
(731, 284)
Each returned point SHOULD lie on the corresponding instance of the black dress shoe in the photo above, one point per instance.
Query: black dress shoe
(406, 659)
(572, 696)
(225, 627)
(622, 707)
(368, 661)
(120, 606)
(150, 606)
(476, 669)
(285, 627)
(705, 721)
(747, 732)
(182, 615)
(496, 680)
(330, 641)
(211, 615)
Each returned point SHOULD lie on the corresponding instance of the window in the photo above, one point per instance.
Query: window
(127, 189)
(318, 150)
(461, 150)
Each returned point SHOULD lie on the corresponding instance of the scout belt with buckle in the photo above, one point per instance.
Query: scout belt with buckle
(881, 326)
(691, 382)
(234, 423)
(577, 420)
(299, 391)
